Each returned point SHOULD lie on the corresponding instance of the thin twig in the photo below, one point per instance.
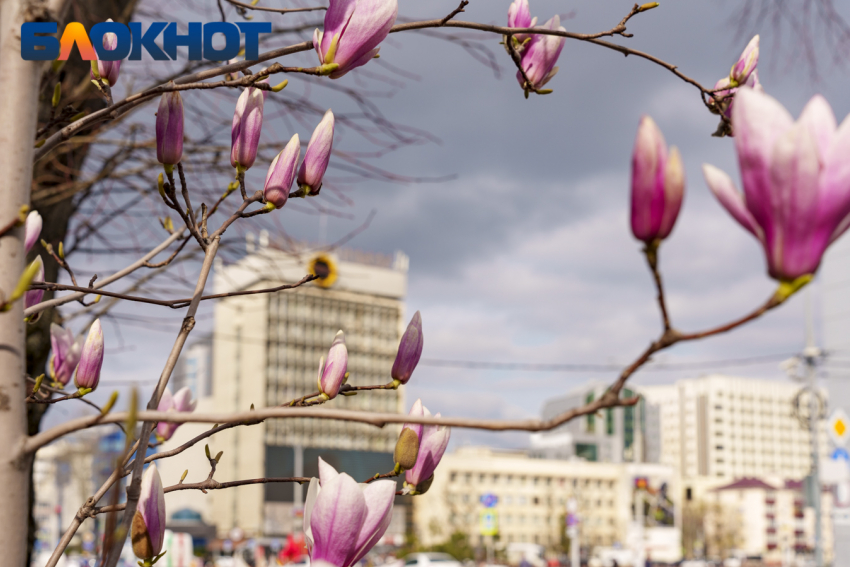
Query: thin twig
(276, 10)
(172, 303)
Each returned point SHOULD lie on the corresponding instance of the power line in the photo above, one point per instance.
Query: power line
(538, 367)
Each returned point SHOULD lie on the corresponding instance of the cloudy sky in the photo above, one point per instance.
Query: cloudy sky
(525, 254)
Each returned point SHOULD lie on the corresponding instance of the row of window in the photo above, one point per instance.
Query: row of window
(525, 480)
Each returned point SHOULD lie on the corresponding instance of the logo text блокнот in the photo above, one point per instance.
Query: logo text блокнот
(132, 40)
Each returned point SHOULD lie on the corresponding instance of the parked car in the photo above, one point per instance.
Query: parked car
(431, 560)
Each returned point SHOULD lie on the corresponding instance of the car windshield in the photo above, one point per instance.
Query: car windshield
(438, 557)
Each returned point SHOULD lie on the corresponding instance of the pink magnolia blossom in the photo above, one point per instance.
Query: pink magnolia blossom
(65, 355)
(541, 54)
(433, 440)
(180, 402)
(352, 31)
(796, 179)
(343, 520)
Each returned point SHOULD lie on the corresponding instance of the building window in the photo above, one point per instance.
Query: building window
(586, 451)
(591, 417)
(609, 421)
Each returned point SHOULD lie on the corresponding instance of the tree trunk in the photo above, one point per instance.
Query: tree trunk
(18, 108)
(55, 170)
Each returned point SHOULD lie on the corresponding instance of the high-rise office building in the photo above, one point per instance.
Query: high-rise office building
(614, 435)
(266, 350)
(726, 428)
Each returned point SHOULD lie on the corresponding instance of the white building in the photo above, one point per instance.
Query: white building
(532, 497)
(613, 435)
(834, 285)
(65, 474)
(724, 428)
(265, 352)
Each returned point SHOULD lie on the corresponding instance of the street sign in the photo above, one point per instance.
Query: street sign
(839, 427)
(489, 500)
(841, 454)
(488, 522)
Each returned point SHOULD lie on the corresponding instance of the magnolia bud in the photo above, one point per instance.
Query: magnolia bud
(282, 173)
(332, 373)
(169, 129)
(406, 449)
(91, 359)
(317, 156)
(409, 350)
(246, 128)
(32, 230)
(147, 531)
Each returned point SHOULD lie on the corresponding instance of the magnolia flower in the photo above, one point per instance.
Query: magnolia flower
(169, 129)
(147, 531)
(246, 128)
(353, 30)
(66, 354)
(32, 230)
(409, 350)
(519, 16)
(433, 440)
(317, 156)
(796, 181)
(541, 54)
(34, 296)
(343, 520)
(743, 73)
(91, 359)
(722, 100)
(658, 184)
(109, 70)
(332, 373)
(282, 173)
(746, 63)
(180, 402)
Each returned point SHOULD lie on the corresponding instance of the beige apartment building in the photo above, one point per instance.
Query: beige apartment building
(720, 428)
(532, 501)
(265, 352)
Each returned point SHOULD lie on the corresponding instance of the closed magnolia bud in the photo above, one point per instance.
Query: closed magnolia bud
(519, 16)
(109, 70)
(65, 356)
(409, 350)
(282, 173)
(317, 156)
(32, 230)
(91, 359)
(746, 63)
(332, 372)
(169, 129)
(658, 184)
(406, 449)
(147, 532)
(246, 128)
(34, 296)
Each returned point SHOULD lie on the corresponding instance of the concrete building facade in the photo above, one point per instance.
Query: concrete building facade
(265, 352)
(725, 428)
(532, 497)
(613, 435)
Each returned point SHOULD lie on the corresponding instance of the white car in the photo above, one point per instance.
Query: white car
(431, 560)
